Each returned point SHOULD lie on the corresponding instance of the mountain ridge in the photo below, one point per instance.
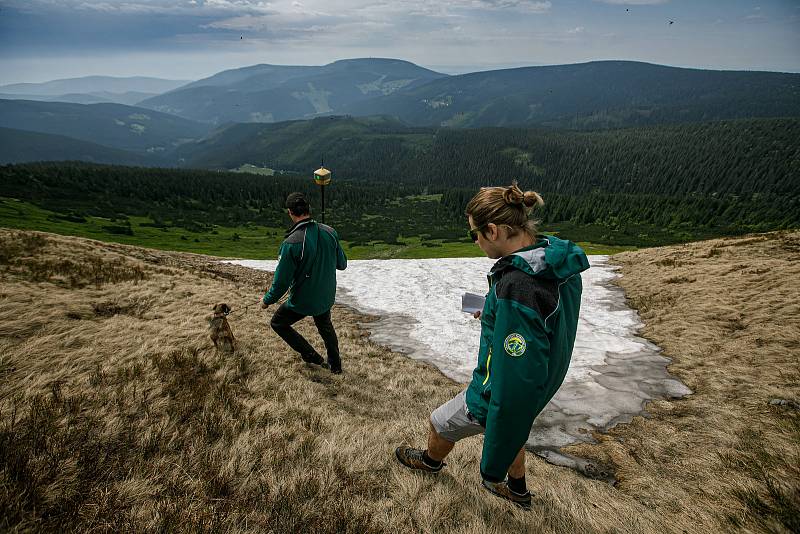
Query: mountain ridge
(92, 84)
(112, 125)
(597, 94)
(273, 93)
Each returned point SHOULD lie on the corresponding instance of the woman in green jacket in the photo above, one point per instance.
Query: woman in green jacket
(528, 326)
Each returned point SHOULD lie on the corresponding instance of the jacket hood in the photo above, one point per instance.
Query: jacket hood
(549, 257)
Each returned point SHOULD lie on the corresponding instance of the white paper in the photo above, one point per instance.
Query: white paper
(471, 303)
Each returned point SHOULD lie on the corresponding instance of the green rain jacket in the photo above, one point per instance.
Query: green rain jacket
(309, 257)
(528, 326)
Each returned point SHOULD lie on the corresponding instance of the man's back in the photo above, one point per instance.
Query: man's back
(310, 256)
(315, 288)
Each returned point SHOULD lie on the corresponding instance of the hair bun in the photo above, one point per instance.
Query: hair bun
(532, 199)
(513, 195)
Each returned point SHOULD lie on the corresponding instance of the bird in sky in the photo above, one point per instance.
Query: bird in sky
(671, 22)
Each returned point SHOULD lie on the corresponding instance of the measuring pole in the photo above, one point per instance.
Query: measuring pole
(322, 177)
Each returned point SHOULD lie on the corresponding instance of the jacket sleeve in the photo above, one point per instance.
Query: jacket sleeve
(341, 259)
(284, 275)
(519, 367)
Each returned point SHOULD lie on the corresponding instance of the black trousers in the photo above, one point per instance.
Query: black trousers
(282, 323)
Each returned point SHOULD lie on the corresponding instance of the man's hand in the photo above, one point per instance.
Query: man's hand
(264, 305)
(477, 314)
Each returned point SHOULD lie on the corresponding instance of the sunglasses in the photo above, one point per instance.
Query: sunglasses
(473, 232)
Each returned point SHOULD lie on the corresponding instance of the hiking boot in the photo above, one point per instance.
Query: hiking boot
(336, 370)
(413, 459)
(501, 489)
(314, 359)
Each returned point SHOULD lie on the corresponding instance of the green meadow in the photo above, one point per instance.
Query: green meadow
(248, 241)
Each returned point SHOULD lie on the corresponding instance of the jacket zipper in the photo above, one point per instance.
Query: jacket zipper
(488, 363)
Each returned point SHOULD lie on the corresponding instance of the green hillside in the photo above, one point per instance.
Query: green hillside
(354, 144)
(742, 156)
(398, 186)
(111, 125)
(199, 204)
(18, 146)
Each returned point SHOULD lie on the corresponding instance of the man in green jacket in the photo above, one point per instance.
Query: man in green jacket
(528, 327)
(309, 257)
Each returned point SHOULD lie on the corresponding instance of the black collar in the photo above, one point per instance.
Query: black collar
(297, 225)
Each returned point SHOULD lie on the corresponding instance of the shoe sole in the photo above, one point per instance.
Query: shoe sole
(433, 472)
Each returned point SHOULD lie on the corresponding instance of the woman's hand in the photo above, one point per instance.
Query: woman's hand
(477, 314)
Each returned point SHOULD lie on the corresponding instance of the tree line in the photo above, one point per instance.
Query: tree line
(637, 186)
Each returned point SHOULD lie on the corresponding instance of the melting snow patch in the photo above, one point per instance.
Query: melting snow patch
(613, 372)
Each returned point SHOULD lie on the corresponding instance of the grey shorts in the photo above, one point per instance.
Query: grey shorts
(452, 420)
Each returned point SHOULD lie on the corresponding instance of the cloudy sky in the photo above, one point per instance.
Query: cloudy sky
(189, 39)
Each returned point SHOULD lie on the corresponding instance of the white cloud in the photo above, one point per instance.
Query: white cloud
(241, 7)
(523, 5)
(371, 22)
(98, 6)
(444, 32)
(634, 2)
(151, 6)
(756, 15)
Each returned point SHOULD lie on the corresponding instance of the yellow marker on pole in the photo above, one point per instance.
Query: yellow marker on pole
(322, 176)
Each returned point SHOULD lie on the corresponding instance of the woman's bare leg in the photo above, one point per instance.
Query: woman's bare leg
(438, 447)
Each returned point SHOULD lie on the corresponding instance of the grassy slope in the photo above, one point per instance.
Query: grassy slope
(726, 312)
(116, 414)
(255, 242)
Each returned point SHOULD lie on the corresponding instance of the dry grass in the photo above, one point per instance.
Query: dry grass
(727, 312)
(116, 413)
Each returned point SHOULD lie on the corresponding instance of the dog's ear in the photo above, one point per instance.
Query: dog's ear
(226, 309)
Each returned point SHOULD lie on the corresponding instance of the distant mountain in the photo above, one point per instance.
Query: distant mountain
(94, 84)
(18, 146)
(254, 78)
(396, 97)
(601, 94)
(129, 98)
(270, 93)
(112, 125)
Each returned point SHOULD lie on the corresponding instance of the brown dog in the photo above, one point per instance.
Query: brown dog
(219, 329)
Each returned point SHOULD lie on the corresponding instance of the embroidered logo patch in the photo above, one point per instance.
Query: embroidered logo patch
(515, 345)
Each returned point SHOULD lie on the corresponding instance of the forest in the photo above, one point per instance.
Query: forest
(642, 186)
